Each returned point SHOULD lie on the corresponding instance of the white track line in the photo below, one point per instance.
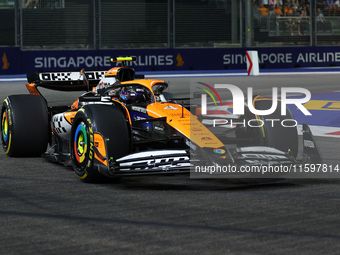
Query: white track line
(13, 79)
(321, 131)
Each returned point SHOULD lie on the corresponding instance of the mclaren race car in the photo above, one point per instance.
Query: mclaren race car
(126, 125)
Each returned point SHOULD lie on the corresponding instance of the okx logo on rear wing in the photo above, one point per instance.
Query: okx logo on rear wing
(68, 80)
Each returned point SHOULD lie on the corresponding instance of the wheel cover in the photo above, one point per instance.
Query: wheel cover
(80, 143)
(4, 127)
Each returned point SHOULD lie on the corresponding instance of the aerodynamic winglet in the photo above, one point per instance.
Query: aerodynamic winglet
(310, 147)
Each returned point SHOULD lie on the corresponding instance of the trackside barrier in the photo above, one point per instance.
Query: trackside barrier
(13, 60)
(252, 63)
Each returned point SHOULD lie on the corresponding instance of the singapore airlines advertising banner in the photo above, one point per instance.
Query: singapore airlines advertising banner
(15, 61)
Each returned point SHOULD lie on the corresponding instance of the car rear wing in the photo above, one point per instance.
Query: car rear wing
(80, 80)
(67, 81)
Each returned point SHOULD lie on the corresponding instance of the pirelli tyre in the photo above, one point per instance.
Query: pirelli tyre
(25, 128)
(278, 131)
(94, 122)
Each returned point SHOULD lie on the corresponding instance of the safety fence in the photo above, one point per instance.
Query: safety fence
(165, 34)
(138, 24)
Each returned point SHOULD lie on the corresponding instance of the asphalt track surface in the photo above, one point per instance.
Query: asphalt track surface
(46, 209)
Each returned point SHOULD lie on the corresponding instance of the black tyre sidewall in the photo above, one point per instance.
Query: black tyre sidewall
(85, 169)
(28, 125)
(276, 135)
(110, 123)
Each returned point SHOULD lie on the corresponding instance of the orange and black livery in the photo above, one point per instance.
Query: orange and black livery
(124, 125)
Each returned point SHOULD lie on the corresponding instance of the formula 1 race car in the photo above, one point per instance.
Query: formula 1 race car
(126, 125)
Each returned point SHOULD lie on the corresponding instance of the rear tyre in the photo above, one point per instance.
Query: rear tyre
(24, 126)
(277, 134)
(105, 120)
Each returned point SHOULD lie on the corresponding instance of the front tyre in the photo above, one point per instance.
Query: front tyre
(281, 133)
(82, 152)
(90, 121)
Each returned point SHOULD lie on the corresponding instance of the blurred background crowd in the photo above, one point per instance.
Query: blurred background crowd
(283, 17)
(296, 7)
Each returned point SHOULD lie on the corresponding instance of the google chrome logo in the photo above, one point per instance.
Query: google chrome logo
(219, 151)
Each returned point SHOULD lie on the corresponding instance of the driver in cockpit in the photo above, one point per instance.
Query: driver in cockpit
(133, 95)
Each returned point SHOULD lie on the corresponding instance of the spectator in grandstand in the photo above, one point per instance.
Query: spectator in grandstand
(303, 12)
(336, 8)
(290, 23)
(301, 24)
(278, 10)
(294, 4)
(256, 3)
(287, 10)
(272, 3)
(320, 17)
(307, 9)
(329, 7)
(320, 4)
(263, 10)
(298, 10)
(265, 3)
(272, 10)
(321, 23)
